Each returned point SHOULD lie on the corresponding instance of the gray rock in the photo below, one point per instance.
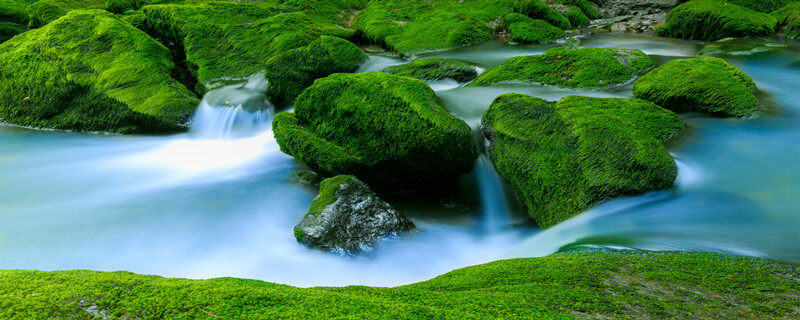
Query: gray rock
(348, 217)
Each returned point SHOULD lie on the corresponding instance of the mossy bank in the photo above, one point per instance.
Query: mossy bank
(588, 285)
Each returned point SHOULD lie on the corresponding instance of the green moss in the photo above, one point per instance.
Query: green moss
(8, 30)
(435, 69)
(577, 17)
(789, 18)
(585, 67)
(522, 29)
(89, 71)
(766, 6)
(539, 10)
(709, 85)
(385, 129)
(586, 7)
(43, 12)
(294, 70)
(618, 285)
(563, 157)
(328, 189)
(225, 40)
(15, 11)
(121, 6)
(713, 20)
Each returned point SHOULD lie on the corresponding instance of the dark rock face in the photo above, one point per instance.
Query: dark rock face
(633, 15)
(348, 217)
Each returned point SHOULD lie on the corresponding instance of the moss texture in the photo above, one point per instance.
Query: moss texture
(539, 10)
(585, 67)
(89, 71)
(225, 40)
(708, 85)
(435, 69)
(289, 73)
(617, 285)
(766, 6)
(522, 29)
(43, 12)
(15, 11)
(576, 17)
(713, 20)
(789, 18)
(385, 129)
(563, 157)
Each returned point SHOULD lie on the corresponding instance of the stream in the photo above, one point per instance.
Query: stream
(221, 199)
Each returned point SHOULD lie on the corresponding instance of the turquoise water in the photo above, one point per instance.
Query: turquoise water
(221, 200)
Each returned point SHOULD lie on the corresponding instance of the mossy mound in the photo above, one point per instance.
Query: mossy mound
(563, 157)
(608, 285)
(435, 69)
(289, 73)
(121, 6)
(225, 40)
(559, 66)
(539, 10)
(388, 130)
(43, 12)
(789, 18)
(576, 17)
(522, 29)
(766, 6)
(90, 71)
(348, 217)
(9, 30)
(15, 11)
(707, 84)
(713, 20)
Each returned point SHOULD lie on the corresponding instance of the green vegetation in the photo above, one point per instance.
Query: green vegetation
(89, 71)
(585, 67)
(586, 7)
(121, 6)
(713, 20)
(435, 69)
(619, 285)
(292, 71)
(522, 29)
(789, 18)
(576, 17)
(766, 6)
(708, 85)
(539, 10)
(43, 12)
(563, 157)
(234, 40)
(384, 129)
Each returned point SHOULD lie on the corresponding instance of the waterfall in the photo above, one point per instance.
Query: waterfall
(235, 111)
(496, 209)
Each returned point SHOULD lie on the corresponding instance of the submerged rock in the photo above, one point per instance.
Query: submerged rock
(383, 128)
(348, 217)
(522, 29)
(89, 71)
(713, 20)
(707, 84)
(563, 157)
(737, 47)
(435, 69)
(559, 66)
(291, 72)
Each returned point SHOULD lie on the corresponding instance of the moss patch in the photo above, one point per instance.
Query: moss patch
(435, 69)
(563, 157)
(708, 85)
(43, 12)
(89, 71)
(585, 67)
(789, 18)
(713, 20)
(292, 71)
(562, 286)
(522, 29)
(385, 129)
(537, 9)
(761, 5)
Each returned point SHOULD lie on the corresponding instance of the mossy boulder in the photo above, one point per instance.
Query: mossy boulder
(563, 157)
(761, 5)
(121, 6)
(576, 17)
(522, 29)
(713, 20)
(537, 9)
(9, 30)
(789, 19)
(707, 84)
(435, 69)
(559, 66)
(15, 11)
(43, 12)
(348, 217)
(388, 130)
(234, 40)
(90, 71)
(289, 73)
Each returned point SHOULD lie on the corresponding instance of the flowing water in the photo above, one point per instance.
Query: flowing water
(221, 199)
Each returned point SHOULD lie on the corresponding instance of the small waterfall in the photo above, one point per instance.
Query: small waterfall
(496, 208)
(234, 112)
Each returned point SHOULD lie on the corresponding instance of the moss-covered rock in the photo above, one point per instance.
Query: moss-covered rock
(43, 12)
(708, 85)
(713, 20)
(89, 71)
(435, 69)
(576, 17)
(388, 130)
(348, 217)
(15, 11)
(766, 6)
(522, 29)
(789, 19)
(559, 66)
(8, 30)
(121, 6)
(563, 157)
(225, 40)
(292, 71)
(539, 10)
